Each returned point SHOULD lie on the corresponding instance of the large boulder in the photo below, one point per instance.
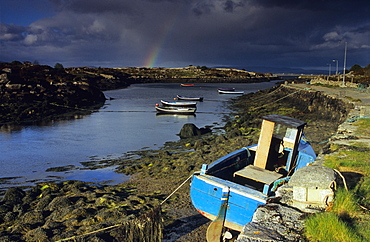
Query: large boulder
(13, 195)
(314, 188)
(274, 223)
(189, 130)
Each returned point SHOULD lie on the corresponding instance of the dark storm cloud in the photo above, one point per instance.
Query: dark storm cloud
(230, 5)
(94, 6)
(321, 5)
(198, 32)
(11, 32)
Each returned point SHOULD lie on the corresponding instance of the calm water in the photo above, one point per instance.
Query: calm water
(128, 122)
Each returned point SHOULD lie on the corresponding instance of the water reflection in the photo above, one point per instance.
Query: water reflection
(9, 128)
(182, 116)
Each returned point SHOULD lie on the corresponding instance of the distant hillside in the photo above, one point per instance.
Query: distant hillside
(158, 74)
(281, 70)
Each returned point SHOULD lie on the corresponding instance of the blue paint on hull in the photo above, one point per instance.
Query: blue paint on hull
(206, 193)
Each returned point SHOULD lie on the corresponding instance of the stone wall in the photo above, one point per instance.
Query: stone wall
(332, 82)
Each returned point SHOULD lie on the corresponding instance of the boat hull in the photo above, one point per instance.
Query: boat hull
(227, 89)
(230, 92)
(200, 99)
(186, 85)
(206, 194)
(179, 104)
(175, 110)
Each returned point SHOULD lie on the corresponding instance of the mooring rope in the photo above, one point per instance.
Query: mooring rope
(346, 187)
(92, 232)
(117, 225)
(344, 180)
(187, 179)
(279, 99)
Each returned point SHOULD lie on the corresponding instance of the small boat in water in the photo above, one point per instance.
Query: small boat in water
(229, 92)
(200, 99)
(178, 104)
(175, 110)
(227, 89)
(186, 85)
(229, 190)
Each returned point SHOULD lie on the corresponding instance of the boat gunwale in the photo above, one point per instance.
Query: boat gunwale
(230, 92)
(179, 97)
(234, 187)
(176, 110)
(178, 104)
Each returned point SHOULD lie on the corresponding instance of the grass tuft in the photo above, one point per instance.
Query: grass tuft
(328, 227)
(345, 205)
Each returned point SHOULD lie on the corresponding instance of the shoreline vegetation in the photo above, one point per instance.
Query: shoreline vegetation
(88, 212)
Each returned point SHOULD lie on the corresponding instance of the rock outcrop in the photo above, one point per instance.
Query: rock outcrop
(33, 93)
(274, 223)
(190, 130)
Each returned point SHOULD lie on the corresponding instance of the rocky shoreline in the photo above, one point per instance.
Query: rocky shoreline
(56, 211)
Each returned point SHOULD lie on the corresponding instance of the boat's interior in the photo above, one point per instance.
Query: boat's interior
(259, 166)
(240, 168)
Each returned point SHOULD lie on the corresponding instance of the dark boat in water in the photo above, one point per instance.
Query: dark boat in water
(227, 89)
(200, 99)
(229, 190)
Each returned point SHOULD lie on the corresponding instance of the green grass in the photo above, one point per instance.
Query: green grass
(344, 222)
(363, 126)
(350, 160)
(328, 227)
(345, 204)
(348, 219)
(356, 162)
(353, 99)
(324, 85)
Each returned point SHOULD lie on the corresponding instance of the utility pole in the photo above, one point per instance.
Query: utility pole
(344, 65)
(329, 71)
(336, 72)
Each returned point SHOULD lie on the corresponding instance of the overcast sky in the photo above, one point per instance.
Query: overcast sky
(177, 33)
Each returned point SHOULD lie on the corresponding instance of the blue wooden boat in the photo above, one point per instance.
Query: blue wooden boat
(229, 190)
(179, 104)
(200, 99)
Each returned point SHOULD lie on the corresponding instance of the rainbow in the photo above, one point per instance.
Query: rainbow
(158, 45)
